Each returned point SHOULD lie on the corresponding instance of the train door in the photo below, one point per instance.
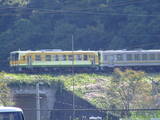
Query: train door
(92, 59)
(29, 60)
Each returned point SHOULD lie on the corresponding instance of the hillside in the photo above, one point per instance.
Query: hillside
(104, 24)
(97, 89)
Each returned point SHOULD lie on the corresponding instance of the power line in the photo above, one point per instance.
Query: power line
(103, 13)
(142, 35)
(76, 11)
(93, 8)
(142, 45)
(127, 3)
(88, 13)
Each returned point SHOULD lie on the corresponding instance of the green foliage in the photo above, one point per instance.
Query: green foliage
(38, 29)
(143, 115)
(15, 2)
(27, 79)
(84, 83)
(5, 95)
(128, 89)
(123, 90)
(78, 79)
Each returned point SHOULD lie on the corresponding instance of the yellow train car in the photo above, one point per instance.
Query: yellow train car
(53, 59)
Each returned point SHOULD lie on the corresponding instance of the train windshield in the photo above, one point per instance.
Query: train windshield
(14, 56)
(11, 116)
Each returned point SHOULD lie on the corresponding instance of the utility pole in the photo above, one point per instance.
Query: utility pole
(38, 101)
(107, 2)
(73, 68)
(73, 100)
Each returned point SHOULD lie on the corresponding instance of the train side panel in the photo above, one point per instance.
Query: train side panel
(130, 58)
(51, 59)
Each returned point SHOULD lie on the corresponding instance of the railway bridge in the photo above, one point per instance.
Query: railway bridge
(53, 97)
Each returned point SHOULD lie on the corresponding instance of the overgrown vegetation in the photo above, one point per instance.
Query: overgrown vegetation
(122, 90)
(5, 93)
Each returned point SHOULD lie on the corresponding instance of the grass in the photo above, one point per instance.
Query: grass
(88, 86)
(84, 83)
(67, 80)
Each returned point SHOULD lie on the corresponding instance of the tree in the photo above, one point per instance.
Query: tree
(120, 25)
(128, 89)
(5, 93)
(14, 2)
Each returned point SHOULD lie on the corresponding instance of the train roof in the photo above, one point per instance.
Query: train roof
(49, 51)
(10, 109)
(130, 51)
(60, 51)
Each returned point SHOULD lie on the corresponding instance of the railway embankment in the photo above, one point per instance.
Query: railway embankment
(86, 86)
(56, 93)
(90, 91)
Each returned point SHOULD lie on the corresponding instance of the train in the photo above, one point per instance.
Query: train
(80, 60)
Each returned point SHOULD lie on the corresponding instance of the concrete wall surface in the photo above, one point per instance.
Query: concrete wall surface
(24, 96)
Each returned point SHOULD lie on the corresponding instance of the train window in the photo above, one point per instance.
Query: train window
(37, 58)
(24, 58)
(14, 56)
(85, 57)
(152, 56)
(144, 56)
(64, 57)
(56, 58)
(92, 57)
(53, 57)
(70, 57)
(158, 56)
(129, 57)
(79, 57)
(60, 57)
(119, 57)
(137, 57)
(105, 57)
(48, 57)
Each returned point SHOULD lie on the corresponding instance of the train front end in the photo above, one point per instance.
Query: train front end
(17, 60)
(14, 59)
